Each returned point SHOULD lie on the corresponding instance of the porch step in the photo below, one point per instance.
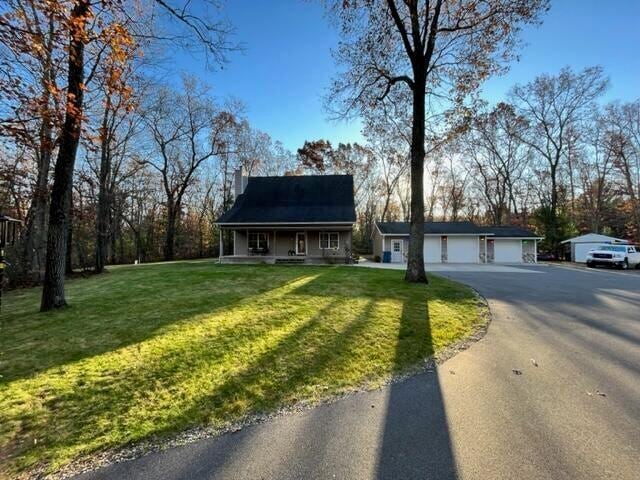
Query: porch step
(290, 261)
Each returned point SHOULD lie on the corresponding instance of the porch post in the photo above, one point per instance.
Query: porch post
(221, 243)
(274, 244)
(535, 250)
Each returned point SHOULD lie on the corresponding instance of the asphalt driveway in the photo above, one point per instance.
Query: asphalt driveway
(574, 415)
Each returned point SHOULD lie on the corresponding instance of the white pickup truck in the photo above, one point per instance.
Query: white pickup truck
(621, 256)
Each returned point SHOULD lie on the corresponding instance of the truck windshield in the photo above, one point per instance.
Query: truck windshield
(613, 248)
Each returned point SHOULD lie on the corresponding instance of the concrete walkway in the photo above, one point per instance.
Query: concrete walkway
(576, 415)
(453, 267)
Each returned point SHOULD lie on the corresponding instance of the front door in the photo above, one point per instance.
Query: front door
(396, 251)
(301, 243)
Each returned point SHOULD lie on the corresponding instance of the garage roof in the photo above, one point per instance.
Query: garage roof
(437, 228)
(457, 228)
(510, 231)
(594, 238)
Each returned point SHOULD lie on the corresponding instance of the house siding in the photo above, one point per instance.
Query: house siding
(285, 240)
(313, 244)
(386, 245)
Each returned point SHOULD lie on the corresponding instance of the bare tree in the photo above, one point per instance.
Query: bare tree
(31, 104)
(452, 190)
(552, 106)
(623, 142)
(595, 168)
(498, 159)
(110, 35)
(438, 50)
(187, 130)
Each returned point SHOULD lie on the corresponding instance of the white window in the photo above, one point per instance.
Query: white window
(396, 246)
(258, 240)
(329, 240)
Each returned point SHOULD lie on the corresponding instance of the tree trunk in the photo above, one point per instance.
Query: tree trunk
(113, 234)
(35, 234)
(415, 259)
(138, 241)
(631, 191)
(102, 220)
(553, 214)
(53, 291)
(68, 265)
(102, 232)
(170, 238)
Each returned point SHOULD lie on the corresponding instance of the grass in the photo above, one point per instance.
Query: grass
(147, 351)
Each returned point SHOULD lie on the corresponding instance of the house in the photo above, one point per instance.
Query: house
(576, 249)
(289, 219)
(457, 242)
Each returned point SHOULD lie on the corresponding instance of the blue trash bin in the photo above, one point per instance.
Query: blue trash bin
(386, 257)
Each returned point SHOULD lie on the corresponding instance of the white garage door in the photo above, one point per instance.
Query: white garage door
(508, 251)
(582, 249)
(432, 252)
(462, 250)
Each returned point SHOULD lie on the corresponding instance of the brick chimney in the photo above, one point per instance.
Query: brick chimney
(239, 182)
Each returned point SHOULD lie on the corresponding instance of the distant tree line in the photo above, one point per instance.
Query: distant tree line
(132, 168)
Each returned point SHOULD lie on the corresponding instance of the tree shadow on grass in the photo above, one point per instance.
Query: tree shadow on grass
(125, 308)
(301, 362)
(414, 440)
(310, 358)
(114, 413)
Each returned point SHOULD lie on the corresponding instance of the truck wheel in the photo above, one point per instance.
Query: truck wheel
(625, 265)
(589, 264)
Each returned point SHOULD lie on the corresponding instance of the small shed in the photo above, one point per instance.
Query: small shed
(576, 248)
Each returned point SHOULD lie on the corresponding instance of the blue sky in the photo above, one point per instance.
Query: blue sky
(287, 65)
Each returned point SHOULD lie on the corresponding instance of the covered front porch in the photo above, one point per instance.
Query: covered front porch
(286, 244)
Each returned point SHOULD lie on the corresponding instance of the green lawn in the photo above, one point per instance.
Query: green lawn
(146, 351)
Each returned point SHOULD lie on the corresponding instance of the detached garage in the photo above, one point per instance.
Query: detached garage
(576, 249)
(457, 242)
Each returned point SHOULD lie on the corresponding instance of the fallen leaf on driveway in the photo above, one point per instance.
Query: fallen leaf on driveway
(452, 372)
(533, 361)
(602, 394)
(516, 371)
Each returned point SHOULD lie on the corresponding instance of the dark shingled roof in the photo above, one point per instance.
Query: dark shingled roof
(509, 231)
(453, 228)
(442, 228)
(294, 199)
